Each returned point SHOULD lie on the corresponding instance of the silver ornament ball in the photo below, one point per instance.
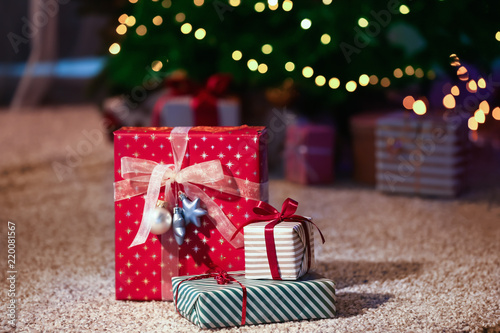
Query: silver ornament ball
(161, 221)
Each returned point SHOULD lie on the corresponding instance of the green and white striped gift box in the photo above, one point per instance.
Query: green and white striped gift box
(210, 305)
(291, 250)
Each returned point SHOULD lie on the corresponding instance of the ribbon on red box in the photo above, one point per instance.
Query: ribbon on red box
(222, 277)
(287, 214)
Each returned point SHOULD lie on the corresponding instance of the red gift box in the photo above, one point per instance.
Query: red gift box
(309, 154)
(188, 157)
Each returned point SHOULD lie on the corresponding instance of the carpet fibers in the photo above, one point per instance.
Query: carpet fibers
(400, 263)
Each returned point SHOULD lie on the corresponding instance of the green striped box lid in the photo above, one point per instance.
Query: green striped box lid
(210, 305)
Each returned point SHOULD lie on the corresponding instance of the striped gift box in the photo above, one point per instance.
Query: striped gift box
(424, 155)
(210, 305)
(291, 250)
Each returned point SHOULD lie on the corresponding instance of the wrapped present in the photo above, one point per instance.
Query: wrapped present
(309, 154)
(425, 155)
(221, 300)
(220, 170)
(281, 247)
(208, 106)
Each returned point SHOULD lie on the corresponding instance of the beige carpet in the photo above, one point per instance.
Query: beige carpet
(400, 263)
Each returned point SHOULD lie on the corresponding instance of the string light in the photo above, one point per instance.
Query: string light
(472, 123)
(287, 5)
(130, 21)
(237, 55)
(200, 34)
(373, 79)
(157, 20)
(262, 68)
(201, 2)
(325, 39)
(398, 73)
(497, 36)
(289, 66)
(409, 70)
(479, 116)
(122, 18)
(132, 1)
(485, 106)
(462, 73)
(419, 107)
(327, 2)
(259, 7)
(121, 29)
(403, 9)
(141, 30)
(496, 113)
(234, 3)
(273, 6)
(307, 72)
(166, 3)
(351, 86)
(267, 49)
(186, 28)
(156, 65)
(320, 80)
(449, 101)
(180, 17)
(455, 91)
(334, 83)
(385, 82)
(419, 73)
(471, 86)
(408, 102)
(364, 80)
(252, 64)
(481, 83)
(362, 22)
(306, 24)
(114, 48)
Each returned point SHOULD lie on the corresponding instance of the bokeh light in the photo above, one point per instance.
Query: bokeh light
(496, 113)
(320, 80)
(472, 123)
(237, 55)
(289, 66)
(419, 107)
(307, 72)
(114, 48)
(449, 101)
(262, 68)
(362, 22)
(403, 9)
(325, 39)
(364, 80)
(385, 82)
(479, 116)
(334, 83)
(157, 20)
(351, 86)
(267, 49)
(121, 29)
(398, 73)
(287, 5)
(259, 7)
(156, 65)
(180, 17)
(455, 91)
(186, 28)
(373, 79)
(471, 86)
(200, 34)
(141, 30)
(252, 64)
(409, 70)
(305, 24)
(408, 102)
(485, 106)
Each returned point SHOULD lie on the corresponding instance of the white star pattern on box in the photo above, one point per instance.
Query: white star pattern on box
(153, 137)
(204, 155)
(229, 164)
(221, 155)
(238, 156)
(229, 147)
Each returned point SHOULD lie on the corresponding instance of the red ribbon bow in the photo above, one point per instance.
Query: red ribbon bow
(222, 277)
(287, 214)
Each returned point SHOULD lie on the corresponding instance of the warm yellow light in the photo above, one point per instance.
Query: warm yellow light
(472, 124)
(121, 29)
(462, 73)
(334, 83)
(272, 2)
(234, 3)
(186, 28)
(200, 33)
(320, 80)
(362, 22)
(237, 55)
(449, 101)
(431, 75)
(130, 21)
(496, 113)
(409, 70)
(364, 80)
(455, 91)
(274, 7)
(156, 65)
(122, 18)
(485, 106)
(454, 60)
(166, 3)
(327, 2)
(419, 73)
(351, 86)
(259, 7)
(307, 72)
(479, 116)
(419, 107)
(287, 5)
(471, 86)
(200, 2)
(373, 79)
(157, 20)
(326, 39)
(289, 66)
(497, 36)
(385, 82)
(132, 1)
(252, 64)
(398, 73)
(262, 68)
(141, 30)
(267, 48)
(114, 48)
(481, 83)
(306, 24)
(408, 102)
(403, 9)
(180, 17)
